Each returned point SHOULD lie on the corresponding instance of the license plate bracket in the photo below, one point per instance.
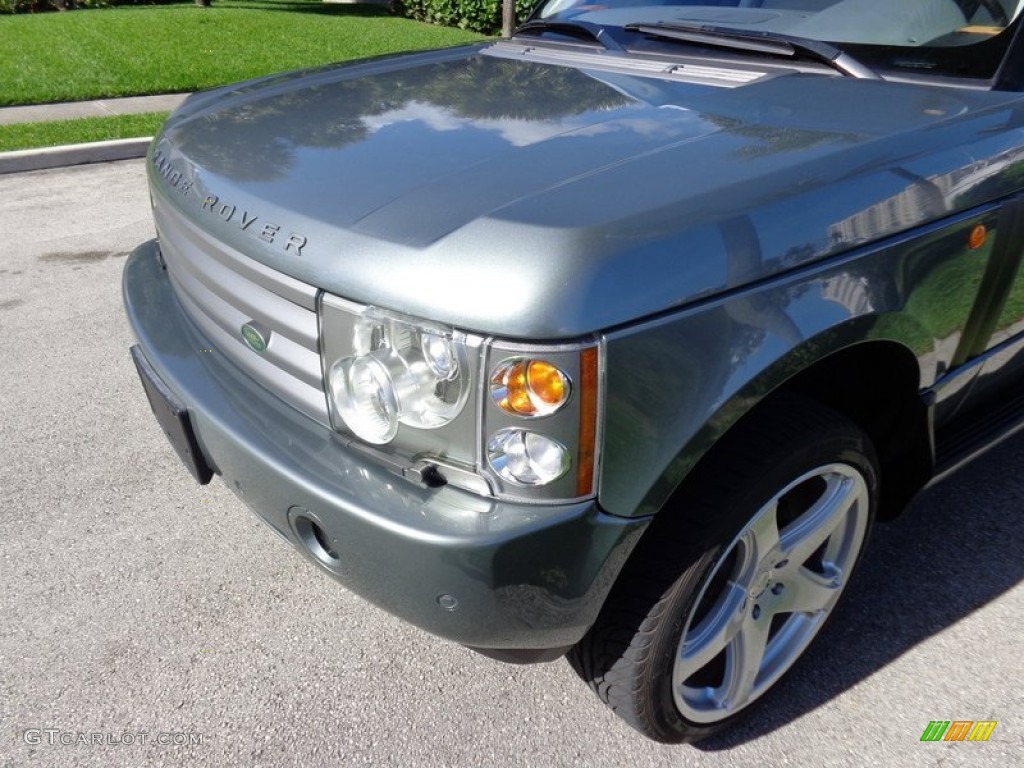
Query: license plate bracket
(173, 418)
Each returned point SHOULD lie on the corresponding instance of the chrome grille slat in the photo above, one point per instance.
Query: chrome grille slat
(300, 362)
(259, 301)
(268, 375)
(254, 302)
(221, 289)
(284, 350)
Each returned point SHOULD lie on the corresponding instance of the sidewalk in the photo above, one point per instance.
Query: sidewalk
(76, 154)
(41, 113)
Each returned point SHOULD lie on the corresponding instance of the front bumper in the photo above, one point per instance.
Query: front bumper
(487, 574)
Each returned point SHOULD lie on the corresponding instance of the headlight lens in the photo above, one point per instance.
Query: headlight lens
(400, 372)
(440, 356)
(365, 397)
(527, 458)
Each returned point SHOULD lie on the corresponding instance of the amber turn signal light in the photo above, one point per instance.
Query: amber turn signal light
(977, 237)
(529, 387)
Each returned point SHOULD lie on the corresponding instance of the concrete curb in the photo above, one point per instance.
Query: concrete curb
(73, 154)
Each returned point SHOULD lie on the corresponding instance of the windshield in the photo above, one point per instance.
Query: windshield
(965, 38)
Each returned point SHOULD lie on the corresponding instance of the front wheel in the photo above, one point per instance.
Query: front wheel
(728, 589)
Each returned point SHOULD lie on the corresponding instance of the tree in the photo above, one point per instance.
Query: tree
(508, 17)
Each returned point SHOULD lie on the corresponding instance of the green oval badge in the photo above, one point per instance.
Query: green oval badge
(255, 337)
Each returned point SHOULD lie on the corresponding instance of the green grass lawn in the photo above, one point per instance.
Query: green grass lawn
(127, 51)
(51, 134)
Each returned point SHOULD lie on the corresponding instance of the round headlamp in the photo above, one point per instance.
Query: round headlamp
(439, 354)
(527, 458)
(401, 372)
(365, 397)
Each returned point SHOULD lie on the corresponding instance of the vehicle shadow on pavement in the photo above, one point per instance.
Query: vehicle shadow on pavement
(956, 548)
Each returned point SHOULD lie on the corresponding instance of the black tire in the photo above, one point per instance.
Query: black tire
(706, 567)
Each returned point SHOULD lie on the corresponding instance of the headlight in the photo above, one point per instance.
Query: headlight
(401, 372)
(527, 458)
(365, 397)
(499, 418)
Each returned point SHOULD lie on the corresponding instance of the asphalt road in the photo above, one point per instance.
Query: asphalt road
(134, 603)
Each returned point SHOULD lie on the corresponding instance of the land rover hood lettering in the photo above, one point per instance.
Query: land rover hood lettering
(267, 231)
(172, 177)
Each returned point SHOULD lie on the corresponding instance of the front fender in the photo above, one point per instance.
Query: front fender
(677, 383)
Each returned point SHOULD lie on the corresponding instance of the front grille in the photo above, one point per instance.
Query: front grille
(221, 290)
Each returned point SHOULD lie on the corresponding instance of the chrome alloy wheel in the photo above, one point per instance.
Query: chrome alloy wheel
(770, 592)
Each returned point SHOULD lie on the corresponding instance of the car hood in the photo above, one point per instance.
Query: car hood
(532, 199)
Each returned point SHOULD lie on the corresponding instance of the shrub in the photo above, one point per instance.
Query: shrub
(27, 6)
(476, 15)
(38, 6)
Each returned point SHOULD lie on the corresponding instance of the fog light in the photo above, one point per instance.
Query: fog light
(527, 458)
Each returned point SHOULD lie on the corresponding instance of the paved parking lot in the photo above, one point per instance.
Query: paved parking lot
(137, 607)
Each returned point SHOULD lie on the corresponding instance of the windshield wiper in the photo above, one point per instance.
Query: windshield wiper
(759, 41)
(578, 29)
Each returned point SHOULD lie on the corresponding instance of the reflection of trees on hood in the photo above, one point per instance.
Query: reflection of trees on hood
(485, 89)
(770, 140)
(254, 141)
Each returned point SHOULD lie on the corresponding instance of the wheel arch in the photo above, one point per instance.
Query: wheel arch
(636, 644)
(874, 383)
